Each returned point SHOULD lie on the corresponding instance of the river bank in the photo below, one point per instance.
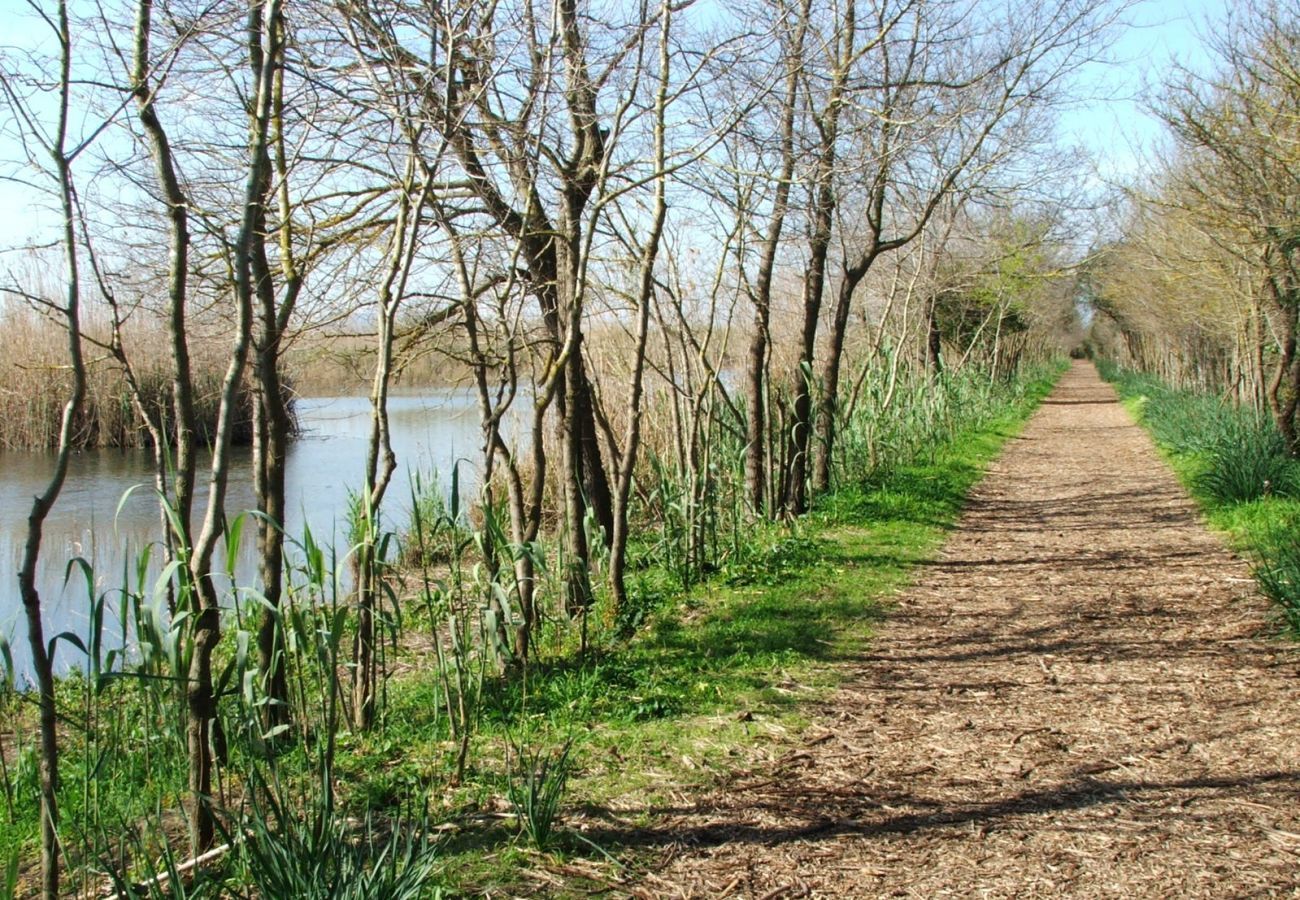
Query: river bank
(712, 675)
(108, 513)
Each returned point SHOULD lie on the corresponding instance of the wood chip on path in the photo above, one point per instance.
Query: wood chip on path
(1080, 698)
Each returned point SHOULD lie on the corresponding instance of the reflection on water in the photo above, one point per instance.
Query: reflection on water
(108, 511)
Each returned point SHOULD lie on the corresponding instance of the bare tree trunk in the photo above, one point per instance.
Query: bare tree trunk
(525, 523)
(42, 654)
(830, 385)
(933, 339)
(626, 463)
(203, 728)
(271, 438)
(381, 462)
(177, 267)
(827, 121)
(756, 363)
(799, 433)
(204, 738)
(1285, 326)
(270, 452)
(577, 581)
(185, 464)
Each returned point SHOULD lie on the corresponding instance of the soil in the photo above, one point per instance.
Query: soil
(1082, 697)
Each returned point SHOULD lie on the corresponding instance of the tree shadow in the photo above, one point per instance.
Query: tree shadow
(875, 813)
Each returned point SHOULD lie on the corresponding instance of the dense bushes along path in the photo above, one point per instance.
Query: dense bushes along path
(1079, 698)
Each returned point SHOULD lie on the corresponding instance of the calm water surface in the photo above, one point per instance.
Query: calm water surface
(431, 432)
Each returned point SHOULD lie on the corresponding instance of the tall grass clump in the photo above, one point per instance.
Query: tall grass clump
(1278, 574)
(317, 853)
(1248, 459)
(537, 777)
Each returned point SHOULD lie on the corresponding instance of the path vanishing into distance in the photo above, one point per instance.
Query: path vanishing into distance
(1080, 697)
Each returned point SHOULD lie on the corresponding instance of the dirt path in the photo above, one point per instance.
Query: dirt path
(1078, 699)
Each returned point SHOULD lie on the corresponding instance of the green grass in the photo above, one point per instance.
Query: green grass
(1238, 468)
(713, 676)
(710, 679)
(117, 768)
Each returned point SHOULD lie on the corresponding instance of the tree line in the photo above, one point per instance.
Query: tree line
(1200, 285)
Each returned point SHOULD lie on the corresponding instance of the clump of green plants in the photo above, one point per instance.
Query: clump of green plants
(536, 778)
(325, 856)
(1247, 459)
(438, 533)
(1278, 574)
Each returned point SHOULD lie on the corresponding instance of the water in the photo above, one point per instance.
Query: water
(108, 510)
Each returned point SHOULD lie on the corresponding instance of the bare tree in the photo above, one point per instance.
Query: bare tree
(793, 23)
(264, 30)
(55, 149)
(949, 97)
(173, 195)
(626, 455)
(826, 106)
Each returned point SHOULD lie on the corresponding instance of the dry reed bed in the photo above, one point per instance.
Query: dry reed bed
(35, 381)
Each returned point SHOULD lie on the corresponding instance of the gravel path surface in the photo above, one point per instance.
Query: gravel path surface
(1079, 698)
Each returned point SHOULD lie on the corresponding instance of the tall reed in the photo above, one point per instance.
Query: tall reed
(35, 378)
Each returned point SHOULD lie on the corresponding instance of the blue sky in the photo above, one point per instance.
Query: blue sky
(1116, 128)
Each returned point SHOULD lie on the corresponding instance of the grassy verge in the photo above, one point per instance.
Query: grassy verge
(532, 782)
(716, 677)
(1237, 467)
